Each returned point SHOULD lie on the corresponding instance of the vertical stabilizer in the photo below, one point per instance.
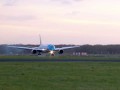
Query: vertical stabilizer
(40, 40)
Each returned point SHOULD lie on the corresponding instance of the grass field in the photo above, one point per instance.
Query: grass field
(59, 76)
(63, 57)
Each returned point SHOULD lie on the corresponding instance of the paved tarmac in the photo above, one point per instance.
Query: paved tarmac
(57, 60)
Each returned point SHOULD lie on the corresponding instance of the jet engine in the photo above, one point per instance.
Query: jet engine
(34, 51)
(60, 51)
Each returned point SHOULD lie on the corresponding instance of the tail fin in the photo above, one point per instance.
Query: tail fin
(40, 40)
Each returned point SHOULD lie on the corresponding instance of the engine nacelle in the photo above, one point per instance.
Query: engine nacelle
(34, 51)
(61, 52)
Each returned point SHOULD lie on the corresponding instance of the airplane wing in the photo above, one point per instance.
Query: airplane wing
(27, 48)
(63, 48)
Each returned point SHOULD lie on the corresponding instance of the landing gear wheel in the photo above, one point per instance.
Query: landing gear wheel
(39, 53)
(52, 54)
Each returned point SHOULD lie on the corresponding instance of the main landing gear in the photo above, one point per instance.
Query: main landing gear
(39, 53)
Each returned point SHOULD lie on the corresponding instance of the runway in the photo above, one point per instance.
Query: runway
(55, 60)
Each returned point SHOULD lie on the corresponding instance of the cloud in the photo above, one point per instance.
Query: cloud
(18, 18)
(22, 17)
(74, 13)
(62, 1)
(9, 2)
(77, 0)
(66, 1)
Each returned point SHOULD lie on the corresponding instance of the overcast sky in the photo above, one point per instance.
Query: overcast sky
(60, 21)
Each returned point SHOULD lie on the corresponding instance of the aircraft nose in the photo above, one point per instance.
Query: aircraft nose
(51, 47)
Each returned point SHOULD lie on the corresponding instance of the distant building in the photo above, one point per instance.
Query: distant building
(80, 54)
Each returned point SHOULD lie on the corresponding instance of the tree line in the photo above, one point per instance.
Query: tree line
(90, 49)
(99, 49)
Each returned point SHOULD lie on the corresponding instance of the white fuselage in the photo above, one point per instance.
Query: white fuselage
(44, 48)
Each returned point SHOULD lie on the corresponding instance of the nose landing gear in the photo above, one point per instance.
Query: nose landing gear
(52, 53)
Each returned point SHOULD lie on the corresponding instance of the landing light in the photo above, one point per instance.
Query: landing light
(51, 52)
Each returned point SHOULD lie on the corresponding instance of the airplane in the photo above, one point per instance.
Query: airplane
(48, 48)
